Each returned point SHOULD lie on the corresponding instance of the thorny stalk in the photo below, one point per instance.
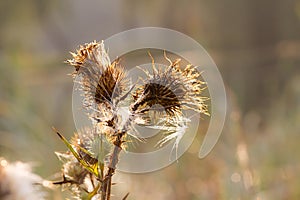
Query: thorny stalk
(93, 153)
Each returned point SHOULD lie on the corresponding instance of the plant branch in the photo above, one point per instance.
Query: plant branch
(114, 159)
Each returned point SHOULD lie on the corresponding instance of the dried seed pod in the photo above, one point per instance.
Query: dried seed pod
(102, 82)
(75, 178)
(18, 182)
(173, 89)
(92, 145)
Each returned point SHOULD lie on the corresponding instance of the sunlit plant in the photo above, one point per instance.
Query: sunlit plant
(93, 153)
(18, 182)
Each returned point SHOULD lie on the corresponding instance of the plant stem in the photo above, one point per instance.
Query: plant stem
(114, 159)
(109, 188)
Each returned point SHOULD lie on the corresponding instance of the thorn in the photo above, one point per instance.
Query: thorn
(152, 59)
(168, 59)
(153, 63)
(56, 131)
(125, 197)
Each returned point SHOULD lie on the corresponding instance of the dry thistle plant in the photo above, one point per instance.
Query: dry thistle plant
(93, 153)
(18, 182)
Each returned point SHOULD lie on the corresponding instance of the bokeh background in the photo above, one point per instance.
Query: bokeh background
(255, 44)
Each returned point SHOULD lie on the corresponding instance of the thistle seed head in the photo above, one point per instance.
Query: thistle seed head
(93, 145)
(76, 179)
(174, 89)
(102, 82)
(18, 182)
(89, 53)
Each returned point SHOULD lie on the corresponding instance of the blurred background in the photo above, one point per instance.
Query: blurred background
(255, 44)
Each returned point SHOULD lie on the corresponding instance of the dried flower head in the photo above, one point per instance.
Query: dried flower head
(90, 53)
(76, 178)
(172, 88)
(167, 92)
(175, 90)
(18, 182)
(74, 174)
(101, 81)
(92, 145)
